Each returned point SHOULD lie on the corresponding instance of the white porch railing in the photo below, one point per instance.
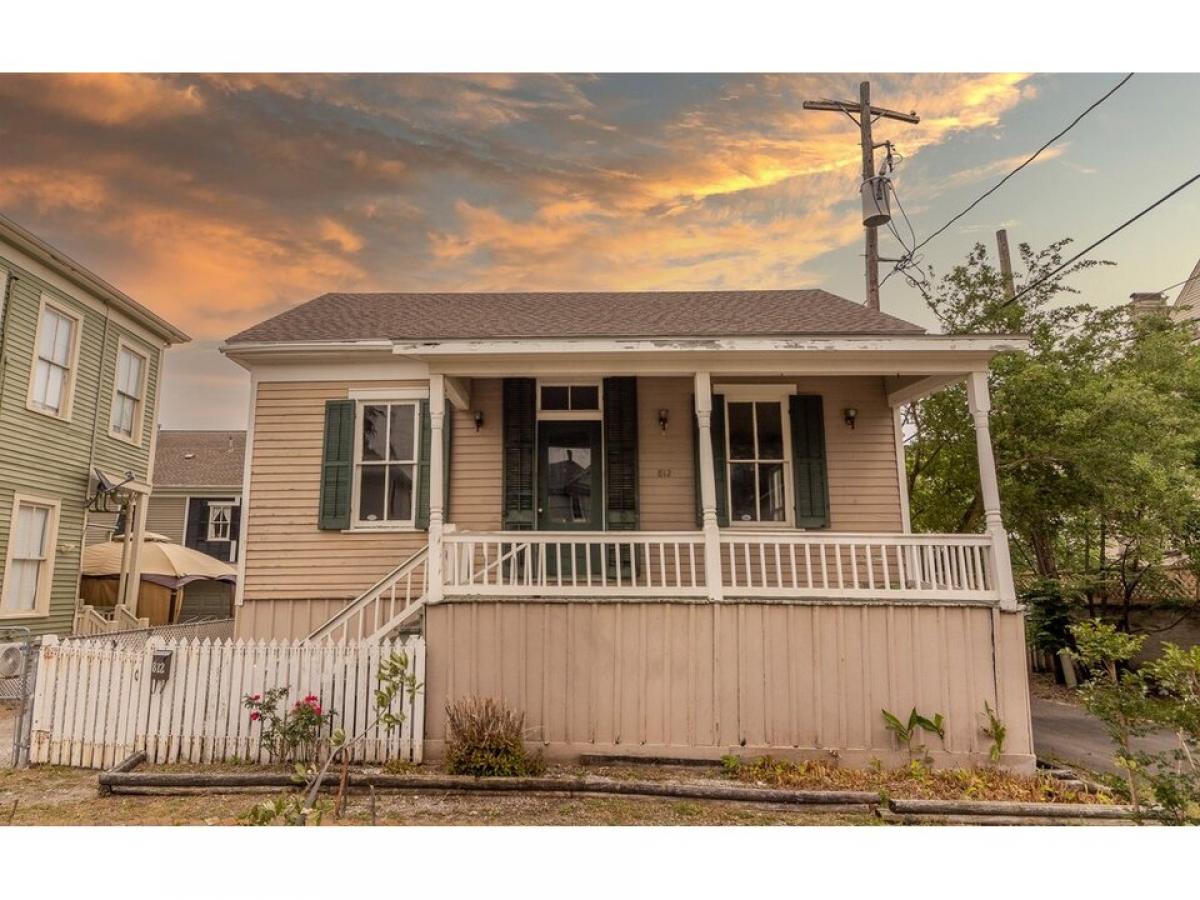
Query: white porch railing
(575, 564)
(391, 601)
(753, 564)
(862, 566)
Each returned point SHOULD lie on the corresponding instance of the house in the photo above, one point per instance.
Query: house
(80, 366)
(1186, 307)
(668, 524)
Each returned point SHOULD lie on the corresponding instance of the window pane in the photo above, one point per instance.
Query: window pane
(41, 382)
(585, 397)
(770, 430)
(741, 491)
(30, 542)
(49, 327)
(371, 493)
(55, 382)
(23, 585)
(401, 441)
(772, 498)
(62, 340)
(741, 431)
(374, 436)
(556, 398)
(400, 492)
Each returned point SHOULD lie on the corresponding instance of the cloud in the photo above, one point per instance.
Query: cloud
(220, 199)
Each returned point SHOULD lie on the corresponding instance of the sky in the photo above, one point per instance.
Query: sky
(220, 200)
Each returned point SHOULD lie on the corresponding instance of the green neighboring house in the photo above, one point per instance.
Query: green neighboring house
(80, 367)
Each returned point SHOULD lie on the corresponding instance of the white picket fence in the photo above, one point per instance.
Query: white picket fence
(94, 704)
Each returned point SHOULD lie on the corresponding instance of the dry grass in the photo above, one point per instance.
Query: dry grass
(58, 796)
(914, 782)
(1043, 686)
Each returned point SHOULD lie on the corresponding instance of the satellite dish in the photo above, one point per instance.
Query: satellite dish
(105, 484)
(12, 660)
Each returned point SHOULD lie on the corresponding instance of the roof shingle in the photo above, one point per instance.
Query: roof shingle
(199, 458)
(625, 314)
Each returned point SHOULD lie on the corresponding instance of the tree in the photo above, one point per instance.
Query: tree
(1096, 432)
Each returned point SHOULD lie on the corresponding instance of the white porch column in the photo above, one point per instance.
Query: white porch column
(437, 474)
(980, 403)
(708, 488)
(135, 535)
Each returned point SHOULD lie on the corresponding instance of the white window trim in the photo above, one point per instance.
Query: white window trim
(760, 393)
(376, 398)
(41, 606)
(139, 415)
(3, 296)
(569, 415)
(228, 507)
(68, 403)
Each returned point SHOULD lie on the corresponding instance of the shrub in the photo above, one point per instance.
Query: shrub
(486, 738)
(293, 735)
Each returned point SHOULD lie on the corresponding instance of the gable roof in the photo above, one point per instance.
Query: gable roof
(199, 458)
(620, 314)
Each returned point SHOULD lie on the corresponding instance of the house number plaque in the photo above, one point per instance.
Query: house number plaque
(160, 665)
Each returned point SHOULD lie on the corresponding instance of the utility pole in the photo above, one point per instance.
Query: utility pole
(1006, 273)
(867, 116)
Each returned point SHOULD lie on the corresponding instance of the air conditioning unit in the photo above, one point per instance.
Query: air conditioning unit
(12, 660)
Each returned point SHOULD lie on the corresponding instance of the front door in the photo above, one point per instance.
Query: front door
(570, 488)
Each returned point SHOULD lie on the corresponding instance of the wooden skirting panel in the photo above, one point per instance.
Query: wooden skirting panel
(702, 680)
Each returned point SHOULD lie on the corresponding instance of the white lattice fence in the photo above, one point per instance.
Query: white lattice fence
(95, 704)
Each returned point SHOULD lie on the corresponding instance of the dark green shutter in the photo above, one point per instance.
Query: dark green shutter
(519, 436)
(718, 442)
(336, 466)
(621, 452)
(421, 518)
(808, 461)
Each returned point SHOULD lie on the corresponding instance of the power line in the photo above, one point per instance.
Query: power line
(1088, 249)
(1179, 284)
(1038, 153)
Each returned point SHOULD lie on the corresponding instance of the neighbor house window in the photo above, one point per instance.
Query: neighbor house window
(128, 393)
(27, 575)
(219, 517)
(757, 460)
(50, 391)
(386, 463)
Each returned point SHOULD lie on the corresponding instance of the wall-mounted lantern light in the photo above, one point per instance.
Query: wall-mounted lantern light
(478, 419)
(850, 414)
(663, 416)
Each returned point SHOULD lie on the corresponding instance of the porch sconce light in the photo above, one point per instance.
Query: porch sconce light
(850, 414)
(478, 419)
(663, 416)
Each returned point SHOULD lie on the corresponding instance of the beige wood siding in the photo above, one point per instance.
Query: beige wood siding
(666, 461)
(475, 457)
(679, 679)
(287, 556)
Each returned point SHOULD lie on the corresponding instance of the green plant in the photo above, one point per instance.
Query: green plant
(487, 738)
(306, 805)
(730, 764)
(906, 732)
(293, 735)
(996, 730)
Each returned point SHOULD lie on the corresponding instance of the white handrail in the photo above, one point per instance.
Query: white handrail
(389, 602)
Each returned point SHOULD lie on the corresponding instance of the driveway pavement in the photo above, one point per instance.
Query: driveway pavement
(1067, 733)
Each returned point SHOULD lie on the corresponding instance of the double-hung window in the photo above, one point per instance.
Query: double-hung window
(54, 361)
(220, 516)
(385, 476)
(26, 589)
(757, 457)
(128, 393)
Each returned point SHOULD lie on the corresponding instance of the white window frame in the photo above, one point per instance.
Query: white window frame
(139, 412)
(568, 415)
(362, 400)
(212, 510)
(762, 393)
(68, 398)
(3, 296)
(41, 604)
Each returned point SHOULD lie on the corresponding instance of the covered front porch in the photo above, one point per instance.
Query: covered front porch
(781, 479)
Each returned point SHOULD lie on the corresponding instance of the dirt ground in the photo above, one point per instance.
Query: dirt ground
(60, 796)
